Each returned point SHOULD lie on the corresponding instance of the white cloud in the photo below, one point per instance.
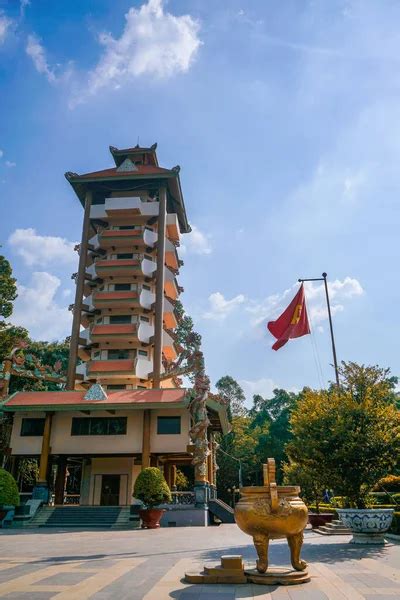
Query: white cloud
(5, 23)
(9, 164)
(196, 242)
(42, 250)
(339, 292)
(37, 52)
(153, 42)
(221, 308)
(1, 153)
(36, 309)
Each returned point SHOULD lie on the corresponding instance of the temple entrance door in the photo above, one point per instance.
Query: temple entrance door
(110, 490)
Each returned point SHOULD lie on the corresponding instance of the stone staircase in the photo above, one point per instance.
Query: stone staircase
(336, 527)
(221, 510)
(85, 517)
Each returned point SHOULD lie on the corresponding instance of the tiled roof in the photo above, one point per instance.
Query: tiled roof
(113, 172)
(28, 399)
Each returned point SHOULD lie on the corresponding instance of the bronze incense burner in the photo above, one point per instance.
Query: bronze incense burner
(271, 512)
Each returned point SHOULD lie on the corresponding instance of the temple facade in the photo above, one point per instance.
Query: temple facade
(120, 412)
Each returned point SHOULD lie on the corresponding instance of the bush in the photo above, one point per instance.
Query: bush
(395, 526)
(390, 483)
(8, 489)
(151, 487)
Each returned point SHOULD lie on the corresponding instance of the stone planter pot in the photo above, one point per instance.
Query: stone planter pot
(367, 525)
(151, 517)
(318, 519)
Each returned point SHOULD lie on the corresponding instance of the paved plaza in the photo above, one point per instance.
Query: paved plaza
(149, 565)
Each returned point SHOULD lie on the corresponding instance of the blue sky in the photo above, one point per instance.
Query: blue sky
(284, 117)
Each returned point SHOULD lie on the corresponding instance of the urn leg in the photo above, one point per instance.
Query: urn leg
(261, 543)
(295, 543)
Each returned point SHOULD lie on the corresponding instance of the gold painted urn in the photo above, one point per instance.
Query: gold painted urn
(271, 512)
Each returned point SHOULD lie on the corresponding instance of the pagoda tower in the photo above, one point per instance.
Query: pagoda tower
(126, 284)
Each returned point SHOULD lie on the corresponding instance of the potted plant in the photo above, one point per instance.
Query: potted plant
(9, 497)
(350, 437)
(152, 489)
(311, 492)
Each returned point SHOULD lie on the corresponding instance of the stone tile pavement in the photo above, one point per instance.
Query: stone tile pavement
(149, 565)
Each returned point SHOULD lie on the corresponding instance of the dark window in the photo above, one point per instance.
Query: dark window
(97, 200)
(125, 255)
(145, 319)
(98, 426)
(168, 425)
(116, 386)
(122, 227)
(141, 387)
(117, 354)
(146, 287)
(148, 256)
(142, 352)
(32, 427)
(119, 287)
(120, 319)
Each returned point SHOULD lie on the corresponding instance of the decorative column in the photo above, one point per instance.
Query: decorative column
(146, 439)
(59, 487)
(7, 365)
(173, 478)
(198, 432)
(41, 489)
(160, 275)
(76, 321)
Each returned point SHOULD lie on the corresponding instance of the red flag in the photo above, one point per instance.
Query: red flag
(292, 323)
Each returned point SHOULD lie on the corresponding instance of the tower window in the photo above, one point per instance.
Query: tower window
(120, 319)
(142, 352)
(119, 287)
(117, 354)
(124, 255)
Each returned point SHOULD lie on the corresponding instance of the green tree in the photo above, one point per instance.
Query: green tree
(10, 335)
(232, 393)
(8, 288)
(239, 444)
(271, 417)
(348, 437)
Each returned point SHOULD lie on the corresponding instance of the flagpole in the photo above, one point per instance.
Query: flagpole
(324, 279)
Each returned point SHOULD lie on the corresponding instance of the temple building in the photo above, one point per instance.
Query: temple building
(119, 412)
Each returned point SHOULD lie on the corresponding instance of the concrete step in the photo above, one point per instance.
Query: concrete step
(96, 517)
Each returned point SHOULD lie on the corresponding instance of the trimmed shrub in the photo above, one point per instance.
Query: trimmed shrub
(390, 483)
(8, 489)
(151, 487)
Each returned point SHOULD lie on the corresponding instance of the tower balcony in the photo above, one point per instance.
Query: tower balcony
(124, 238)
(113, 333)
(171, 287)
(117, 335)
(171, 255)
(173, 227)
(170, 320)
(122, 267)
(123, 299)
(169, 349)
(128, 369)
(125, 207)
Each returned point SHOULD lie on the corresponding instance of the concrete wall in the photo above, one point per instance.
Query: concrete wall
(62, 442)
